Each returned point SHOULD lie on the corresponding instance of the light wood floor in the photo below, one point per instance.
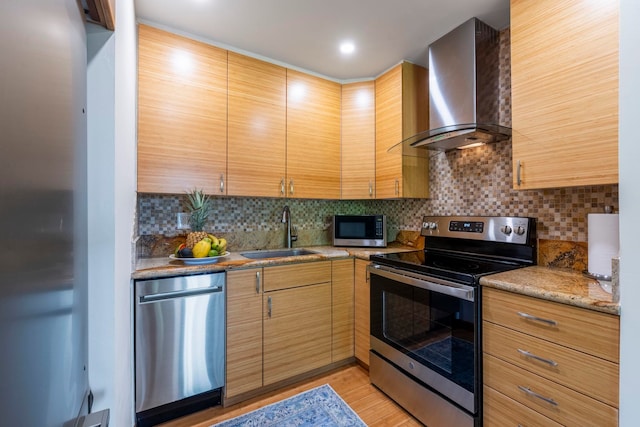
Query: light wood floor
(350, 382)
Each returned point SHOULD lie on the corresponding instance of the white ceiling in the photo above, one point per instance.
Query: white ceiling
(305, 34)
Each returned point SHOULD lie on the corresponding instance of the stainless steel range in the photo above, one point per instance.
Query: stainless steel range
(426, 314)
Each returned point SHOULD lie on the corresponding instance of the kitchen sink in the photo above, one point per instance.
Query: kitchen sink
(276, 253)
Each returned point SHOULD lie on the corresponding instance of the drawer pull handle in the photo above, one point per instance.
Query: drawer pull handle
(541, 359)
(539, 396)
(538, 319)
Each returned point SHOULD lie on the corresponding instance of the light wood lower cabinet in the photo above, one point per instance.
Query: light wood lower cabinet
(297, 327)
(286, 320)
(502, 411)
(544, 359)
(342, 311)
(297, 331)
(244, 331)
(362, 327)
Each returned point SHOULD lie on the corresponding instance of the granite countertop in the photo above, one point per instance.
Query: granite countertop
(554, 284)
(149, 268)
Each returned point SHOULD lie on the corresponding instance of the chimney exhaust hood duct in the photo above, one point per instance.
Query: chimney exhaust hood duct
(463, 89)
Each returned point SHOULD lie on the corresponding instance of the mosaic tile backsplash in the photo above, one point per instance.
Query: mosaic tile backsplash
(462, 182)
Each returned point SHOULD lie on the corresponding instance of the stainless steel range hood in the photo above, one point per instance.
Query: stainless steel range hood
(463, 89)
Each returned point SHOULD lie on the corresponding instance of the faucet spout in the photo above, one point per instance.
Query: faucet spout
(286, 219)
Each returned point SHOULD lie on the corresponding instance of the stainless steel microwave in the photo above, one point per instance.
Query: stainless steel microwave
(360, 230)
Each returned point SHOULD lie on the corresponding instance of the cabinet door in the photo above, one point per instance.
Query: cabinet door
(257, 127)
(401, 112)
(388, 133)
(297, 331)
(244, 331)
(564, 86)
(313, 137)
(358, 140)
(182, 114)
(342, 309)
(362, 310)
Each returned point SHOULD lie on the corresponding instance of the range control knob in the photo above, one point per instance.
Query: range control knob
(520, 230)
(506, 229)
(433, 225)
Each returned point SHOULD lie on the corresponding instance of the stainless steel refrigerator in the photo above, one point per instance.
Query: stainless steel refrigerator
(43, 266)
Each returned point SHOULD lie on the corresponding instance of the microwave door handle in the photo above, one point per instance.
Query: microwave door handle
(457, 291)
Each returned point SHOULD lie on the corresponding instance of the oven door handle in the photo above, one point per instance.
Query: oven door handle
(448, 288)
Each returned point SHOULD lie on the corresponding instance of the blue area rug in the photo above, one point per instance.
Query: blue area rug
(317, 407)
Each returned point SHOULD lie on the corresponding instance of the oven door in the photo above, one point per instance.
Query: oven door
(429, 329)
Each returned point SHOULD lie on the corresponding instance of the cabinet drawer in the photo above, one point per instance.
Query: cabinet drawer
(294, 275)
(587, 374)
(566, 406)
(584, 330)
(502, 411)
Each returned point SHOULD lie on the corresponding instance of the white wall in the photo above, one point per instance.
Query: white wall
(100, 200)
(629, 213)
(111, 73)
(124, 206)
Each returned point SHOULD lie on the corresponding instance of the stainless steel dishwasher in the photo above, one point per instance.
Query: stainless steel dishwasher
(179, 345)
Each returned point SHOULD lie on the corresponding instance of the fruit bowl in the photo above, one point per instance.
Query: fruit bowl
(199, 261)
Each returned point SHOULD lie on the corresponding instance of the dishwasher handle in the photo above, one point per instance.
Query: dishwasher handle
(146, 299)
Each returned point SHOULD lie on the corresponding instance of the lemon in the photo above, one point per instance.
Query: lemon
(201, 249)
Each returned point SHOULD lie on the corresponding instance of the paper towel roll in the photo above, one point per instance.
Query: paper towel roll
(603, 242)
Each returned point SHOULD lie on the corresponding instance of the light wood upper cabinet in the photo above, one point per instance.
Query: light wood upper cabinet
(564, 84)
(313, 137)
(257, 127)
(358, 140)
(244, 331)
(401, 112)
(182, 114)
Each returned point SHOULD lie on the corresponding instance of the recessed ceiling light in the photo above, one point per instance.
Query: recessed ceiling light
(347, 48)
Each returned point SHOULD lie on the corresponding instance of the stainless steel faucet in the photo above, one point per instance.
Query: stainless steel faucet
(290, 235)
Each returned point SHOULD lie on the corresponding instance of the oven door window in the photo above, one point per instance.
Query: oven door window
(434, 329)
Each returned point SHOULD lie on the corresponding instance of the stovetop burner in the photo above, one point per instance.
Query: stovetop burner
(458, 269)
(462, 249)
(449, 264)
